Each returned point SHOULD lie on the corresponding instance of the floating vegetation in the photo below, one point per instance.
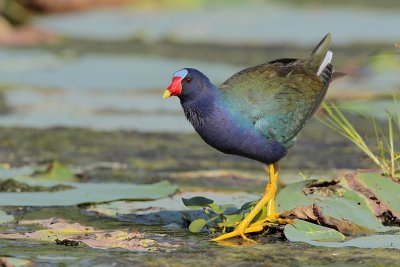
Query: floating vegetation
(324, 211)
(11, 185)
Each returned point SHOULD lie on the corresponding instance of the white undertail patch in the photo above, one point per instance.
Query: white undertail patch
(325, 62)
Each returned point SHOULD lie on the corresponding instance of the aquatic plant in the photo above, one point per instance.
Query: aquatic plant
(385, 155)
(220, 218)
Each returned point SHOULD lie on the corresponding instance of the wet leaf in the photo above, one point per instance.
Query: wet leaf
(316, 235)
(5, 218)
(304, 231)
(352, 212)
(373, 241)
(292, 196)
(87, 193)
(384, 189)
(197, 225)
(330, 203)
(197, 202)
(220, 209)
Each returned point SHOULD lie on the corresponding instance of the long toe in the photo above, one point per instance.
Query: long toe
(237, 232)
(226, 236)
(270, 220)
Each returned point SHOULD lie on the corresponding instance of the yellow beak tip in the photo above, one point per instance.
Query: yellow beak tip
(167, 94)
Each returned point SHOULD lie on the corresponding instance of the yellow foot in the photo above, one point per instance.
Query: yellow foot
(271, 220)
(239, 232)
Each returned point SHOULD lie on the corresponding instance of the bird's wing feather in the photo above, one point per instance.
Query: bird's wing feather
(278, 97)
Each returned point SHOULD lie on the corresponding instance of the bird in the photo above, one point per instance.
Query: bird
(257, 114)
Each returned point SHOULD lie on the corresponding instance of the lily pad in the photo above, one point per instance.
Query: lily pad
(301, 230)
(84, 193)
(292, 196)
(317, 235)
(330, 203)
(384, 189)
(352, 213)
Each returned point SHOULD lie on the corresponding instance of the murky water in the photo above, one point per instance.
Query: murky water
(99, 91)
(46, 88)
(109, 91)
(116, 92)
(257, 23)
(98, 72)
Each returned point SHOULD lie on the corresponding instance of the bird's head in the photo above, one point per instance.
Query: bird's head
(188, 84)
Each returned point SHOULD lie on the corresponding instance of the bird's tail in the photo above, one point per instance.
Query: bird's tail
(320, 57)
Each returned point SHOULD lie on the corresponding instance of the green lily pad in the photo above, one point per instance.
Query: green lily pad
(292, 196)
(84, 193)
(330, 203)
(316, 235)
(352, 208)
(304, 231)
(384, 189)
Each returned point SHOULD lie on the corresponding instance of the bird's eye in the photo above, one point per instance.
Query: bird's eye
(188, 80)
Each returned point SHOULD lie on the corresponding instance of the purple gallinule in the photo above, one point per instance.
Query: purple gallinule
(257, 113)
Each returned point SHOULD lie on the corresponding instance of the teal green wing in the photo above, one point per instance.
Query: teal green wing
(280, 96)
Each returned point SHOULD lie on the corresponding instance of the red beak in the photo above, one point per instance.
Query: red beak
(175, 88)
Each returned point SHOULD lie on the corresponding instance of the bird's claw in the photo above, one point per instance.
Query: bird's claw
(272, 219)
(241, 233)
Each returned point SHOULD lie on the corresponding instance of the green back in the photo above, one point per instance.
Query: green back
(279, 97)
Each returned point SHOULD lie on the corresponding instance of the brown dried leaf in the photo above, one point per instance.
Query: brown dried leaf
(58, 229)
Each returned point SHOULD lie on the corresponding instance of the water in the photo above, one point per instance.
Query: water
(98, 72)
(98, 91)
(109, 91)
(257, 24)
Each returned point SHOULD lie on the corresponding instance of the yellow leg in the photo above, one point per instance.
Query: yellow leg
(272, 216)
(268, 199)
(273, 178)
